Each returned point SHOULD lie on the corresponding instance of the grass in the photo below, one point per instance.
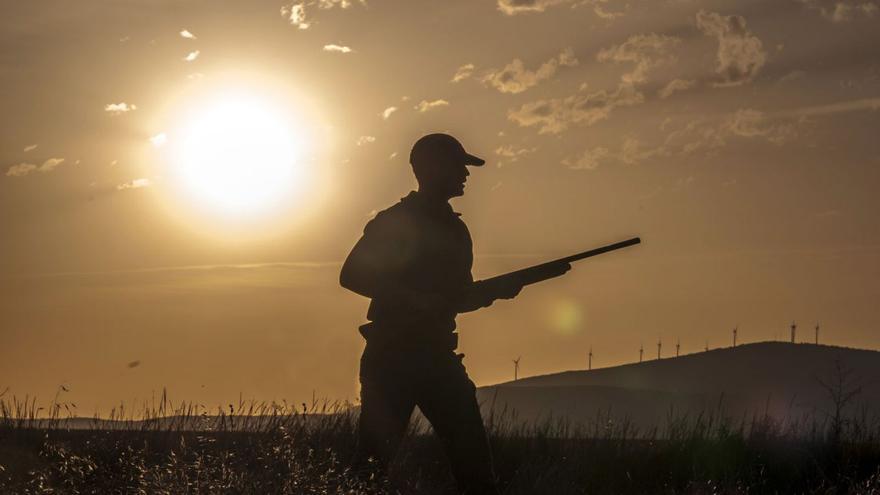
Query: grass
(277, 448)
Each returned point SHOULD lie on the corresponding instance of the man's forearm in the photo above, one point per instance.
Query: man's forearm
(476, 296)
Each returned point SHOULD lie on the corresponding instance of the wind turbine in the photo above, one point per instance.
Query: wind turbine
(516, 368)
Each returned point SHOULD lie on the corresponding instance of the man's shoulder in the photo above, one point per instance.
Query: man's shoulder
(397, 216)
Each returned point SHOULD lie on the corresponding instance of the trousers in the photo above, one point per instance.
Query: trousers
(394, 381)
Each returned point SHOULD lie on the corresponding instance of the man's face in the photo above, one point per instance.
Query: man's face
(453, 178)
(447, 179)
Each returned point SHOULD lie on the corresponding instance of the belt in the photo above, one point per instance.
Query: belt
(409, 336)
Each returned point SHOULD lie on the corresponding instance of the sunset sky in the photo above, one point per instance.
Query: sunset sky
(180, 181)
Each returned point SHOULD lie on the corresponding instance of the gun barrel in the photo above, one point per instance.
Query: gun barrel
(544, 271)
(597, 251)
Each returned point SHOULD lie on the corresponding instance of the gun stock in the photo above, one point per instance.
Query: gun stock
(551, 269)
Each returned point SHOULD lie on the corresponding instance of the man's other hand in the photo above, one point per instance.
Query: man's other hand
(506, 290)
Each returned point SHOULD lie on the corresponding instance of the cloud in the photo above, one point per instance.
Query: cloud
(631, 152)
(365, 140)
(386, 114)
(870, 104)
(30, 147)
(697, 136)
(646, 51)
(134, 184)
(588, 160)
(515, 78)
(295, 14)
(159, 139)
(463, 72)
(706, 136)
(191, 56)
(512, 154)
(298, 13)
(843, 10)
(750, 123)
(513, 7)
(119, 108)
(22, 169)
(425, 105)
(188, 35)
(740, 53)
(675, 85)
(558, 114)
(337, 48)
(50, 164)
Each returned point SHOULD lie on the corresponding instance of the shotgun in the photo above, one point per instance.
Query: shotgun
(550, 269)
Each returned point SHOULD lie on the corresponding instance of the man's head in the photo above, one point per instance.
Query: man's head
(440, 163)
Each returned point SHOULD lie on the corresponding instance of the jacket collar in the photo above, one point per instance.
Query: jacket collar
(418, 200)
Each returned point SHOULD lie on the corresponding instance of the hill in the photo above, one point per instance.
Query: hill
(783, 380)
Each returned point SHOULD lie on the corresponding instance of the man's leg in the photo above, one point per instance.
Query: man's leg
(449, 402)
(386, 406)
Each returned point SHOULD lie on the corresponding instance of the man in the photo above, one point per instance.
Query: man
(414, 261)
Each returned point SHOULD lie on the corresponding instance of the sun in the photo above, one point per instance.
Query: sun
(238, 154)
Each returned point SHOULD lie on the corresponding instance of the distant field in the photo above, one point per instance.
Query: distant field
(259, 449)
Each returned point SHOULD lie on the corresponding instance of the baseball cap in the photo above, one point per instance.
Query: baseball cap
(433, 146)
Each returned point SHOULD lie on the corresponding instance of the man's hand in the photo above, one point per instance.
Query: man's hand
(507, 290)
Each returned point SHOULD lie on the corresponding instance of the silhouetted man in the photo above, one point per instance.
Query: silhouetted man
(414, 261)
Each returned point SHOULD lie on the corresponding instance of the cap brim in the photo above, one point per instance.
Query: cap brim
(473, 160)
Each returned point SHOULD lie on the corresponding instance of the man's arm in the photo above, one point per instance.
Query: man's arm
(372, 268)
(483, 293)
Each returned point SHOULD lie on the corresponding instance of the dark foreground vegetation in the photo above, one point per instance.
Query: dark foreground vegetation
(269, 449)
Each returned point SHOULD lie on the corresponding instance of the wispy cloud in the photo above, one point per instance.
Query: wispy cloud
(386, 114)
(511, 153)
(644, 51)
(119, 108)
(513, 7)
(134, 184)
(843, 10)
(22, 169)
(700, 136)
(740, 53)
(555, 115)
(709, 135)
(515, 78)
(337, 48)
(870, 104)
(295, 14)
(588, 160)
(191, 56)
(426, 105)
(30, 147)
(463, 72)
(675, 85)
(299, 13)
(188, 35)
(159, 139)
(365, 140)
(50, 164)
